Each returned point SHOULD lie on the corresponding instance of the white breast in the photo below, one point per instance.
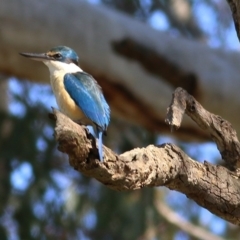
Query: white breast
(64, 101)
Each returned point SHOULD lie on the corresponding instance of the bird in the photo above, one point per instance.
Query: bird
(77, 93)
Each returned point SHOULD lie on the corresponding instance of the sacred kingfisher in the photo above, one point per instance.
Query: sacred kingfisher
(77, 93)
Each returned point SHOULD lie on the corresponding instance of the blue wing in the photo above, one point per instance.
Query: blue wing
(88, 96)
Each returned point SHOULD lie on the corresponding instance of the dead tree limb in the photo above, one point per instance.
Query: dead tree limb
(215, 188)
(219, 129)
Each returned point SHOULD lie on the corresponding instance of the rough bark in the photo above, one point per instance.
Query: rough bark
(130, 85)
(215, 188)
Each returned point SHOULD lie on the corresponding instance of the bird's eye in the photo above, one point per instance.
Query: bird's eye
(57, 55)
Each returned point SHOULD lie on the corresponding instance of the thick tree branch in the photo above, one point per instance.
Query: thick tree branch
(212, 187)
(158, 64)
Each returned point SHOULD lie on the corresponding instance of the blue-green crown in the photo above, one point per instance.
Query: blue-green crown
(63, 54)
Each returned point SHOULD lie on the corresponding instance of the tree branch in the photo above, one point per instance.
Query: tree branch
(219, 129)
(212, 187)
(181, 223)
(158, 64)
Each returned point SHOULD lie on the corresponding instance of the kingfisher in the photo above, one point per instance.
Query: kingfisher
(77, 93)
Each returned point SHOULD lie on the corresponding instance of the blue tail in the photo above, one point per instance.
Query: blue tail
(100, 144)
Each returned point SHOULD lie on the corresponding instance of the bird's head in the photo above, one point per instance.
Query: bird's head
(61, 54)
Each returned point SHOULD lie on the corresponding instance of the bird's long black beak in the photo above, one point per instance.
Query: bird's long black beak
(37, 56)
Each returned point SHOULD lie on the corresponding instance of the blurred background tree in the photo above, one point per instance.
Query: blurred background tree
(42, 197)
